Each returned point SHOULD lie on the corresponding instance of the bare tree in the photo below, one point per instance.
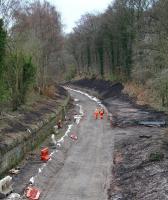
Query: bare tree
(42, 23)
(7, 9)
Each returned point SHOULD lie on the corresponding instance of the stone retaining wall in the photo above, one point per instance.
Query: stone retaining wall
(12, 154)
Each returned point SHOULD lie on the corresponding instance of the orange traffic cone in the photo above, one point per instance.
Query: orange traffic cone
(44, 154)
(32, 193)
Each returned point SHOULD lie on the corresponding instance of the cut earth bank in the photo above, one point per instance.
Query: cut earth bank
(140, 165)
(23, 130)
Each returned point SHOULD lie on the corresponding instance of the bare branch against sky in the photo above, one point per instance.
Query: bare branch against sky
(71, 10)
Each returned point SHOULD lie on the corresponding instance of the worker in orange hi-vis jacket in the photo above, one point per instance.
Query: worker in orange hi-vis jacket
(96, 113)
(101, 113)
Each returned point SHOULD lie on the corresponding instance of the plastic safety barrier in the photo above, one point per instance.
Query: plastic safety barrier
(32, 193)
(6, 186)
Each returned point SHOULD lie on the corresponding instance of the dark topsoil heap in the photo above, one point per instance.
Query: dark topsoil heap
(104, 88)
(108, 91)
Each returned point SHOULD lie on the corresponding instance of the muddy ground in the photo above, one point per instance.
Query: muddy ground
(140, 163)
(140, 156)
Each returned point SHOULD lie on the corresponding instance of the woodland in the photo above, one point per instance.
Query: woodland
(127, 43)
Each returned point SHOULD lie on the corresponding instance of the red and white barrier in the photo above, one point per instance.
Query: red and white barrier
(32, 193)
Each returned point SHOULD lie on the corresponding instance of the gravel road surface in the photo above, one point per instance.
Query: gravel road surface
(86, 172)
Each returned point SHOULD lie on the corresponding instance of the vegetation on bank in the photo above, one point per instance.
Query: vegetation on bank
(31, 42)
(128, 42)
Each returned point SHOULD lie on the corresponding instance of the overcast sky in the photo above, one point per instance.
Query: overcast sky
(71, 10)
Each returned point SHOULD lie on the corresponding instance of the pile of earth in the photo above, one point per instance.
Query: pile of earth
(104, 88)
(109, 91)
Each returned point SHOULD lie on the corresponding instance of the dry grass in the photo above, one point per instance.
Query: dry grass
(49, 91)
(33, 96)
(144, 95)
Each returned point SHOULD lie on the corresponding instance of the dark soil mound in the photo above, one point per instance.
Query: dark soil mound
(61, 91)
(104, 88)
(109, 91)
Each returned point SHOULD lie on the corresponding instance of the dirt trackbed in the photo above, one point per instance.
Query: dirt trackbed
(139, 167)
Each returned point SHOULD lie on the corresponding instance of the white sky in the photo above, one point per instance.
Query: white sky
(71, 10)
